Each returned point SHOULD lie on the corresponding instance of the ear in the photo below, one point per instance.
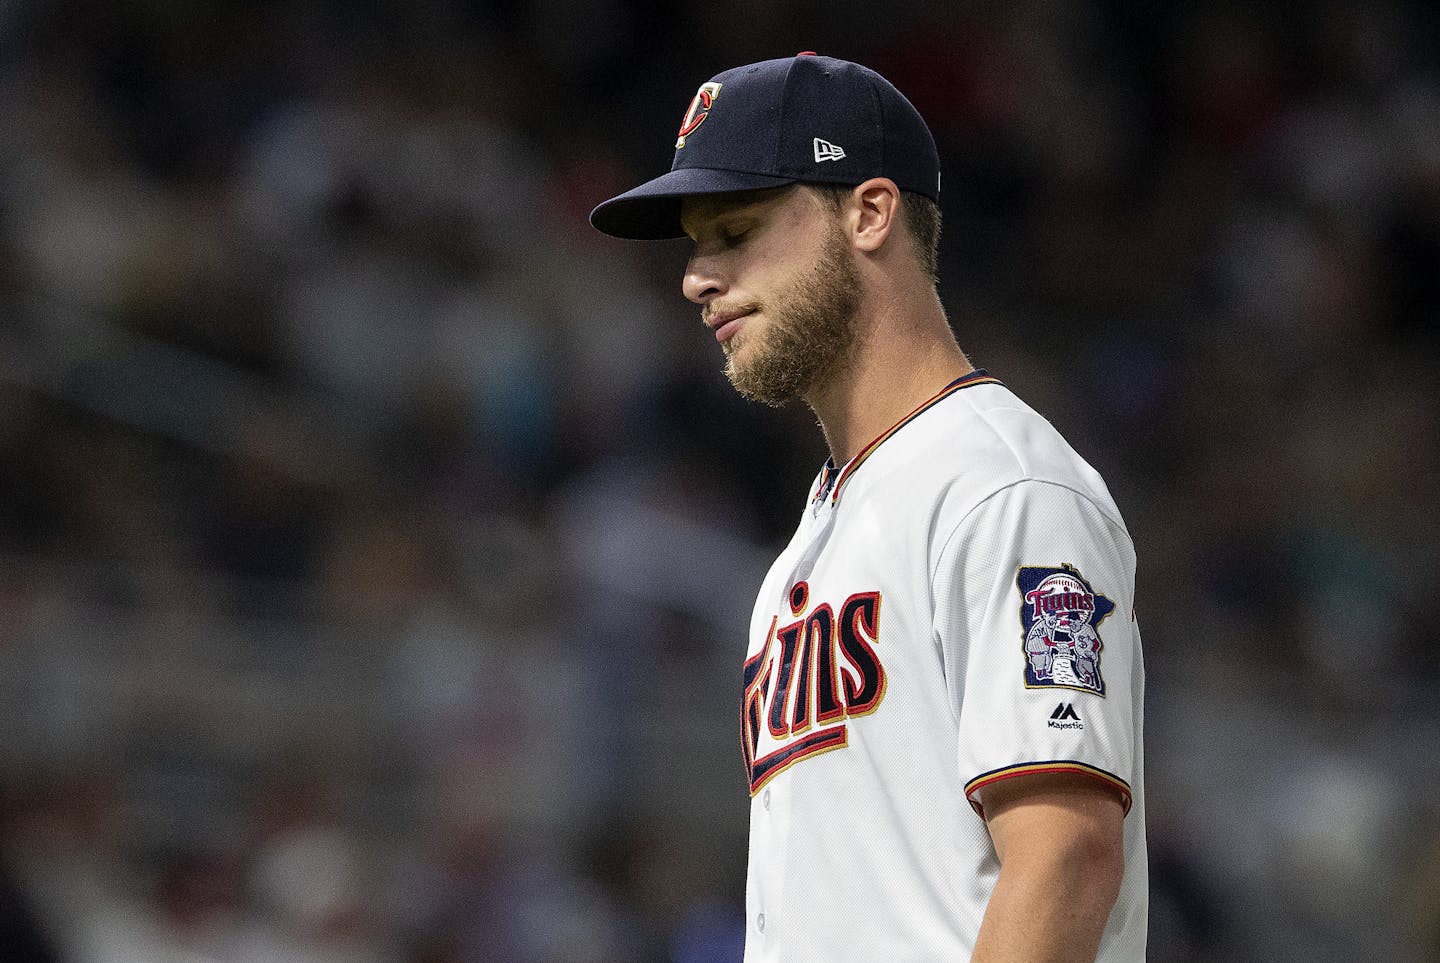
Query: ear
(874, 212)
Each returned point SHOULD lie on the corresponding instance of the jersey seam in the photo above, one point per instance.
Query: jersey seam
(964, 519)
(984, 415)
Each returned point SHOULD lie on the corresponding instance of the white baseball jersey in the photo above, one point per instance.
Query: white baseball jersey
(955, 608)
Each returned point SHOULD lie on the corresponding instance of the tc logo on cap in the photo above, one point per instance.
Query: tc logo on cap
(699, 110)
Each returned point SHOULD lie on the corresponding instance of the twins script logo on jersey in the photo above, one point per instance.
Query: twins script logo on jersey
(811, 675)
(698, 110)
(1061, 615)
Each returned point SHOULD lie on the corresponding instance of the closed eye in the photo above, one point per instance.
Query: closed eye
(721, 240)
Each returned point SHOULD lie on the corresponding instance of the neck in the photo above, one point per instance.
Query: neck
(904, 354)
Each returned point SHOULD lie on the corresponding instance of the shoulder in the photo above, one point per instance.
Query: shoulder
(977, 442)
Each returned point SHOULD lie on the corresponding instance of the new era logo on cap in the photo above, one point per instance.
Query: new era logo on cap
(824, 150)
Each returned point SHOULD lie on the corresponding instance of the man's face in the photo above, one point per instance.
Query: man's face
(773, 272)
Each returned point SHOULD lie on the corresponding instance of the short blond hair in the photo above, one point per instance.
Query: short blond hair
(920, 215)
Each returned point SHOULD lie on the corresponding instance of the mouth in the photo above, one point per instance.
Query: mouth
(726, 323)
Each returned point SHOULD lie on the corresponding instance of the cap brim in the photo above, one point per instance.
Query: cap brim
(651, 212)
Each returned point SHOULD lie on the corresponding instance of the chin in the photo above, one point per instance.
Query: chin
(763, 380)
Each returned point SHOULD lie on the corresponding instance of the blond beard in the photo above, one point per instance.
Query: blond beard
(809, 334)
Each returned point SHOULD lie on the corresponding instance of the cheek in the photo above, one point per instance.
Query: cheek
(775, 258)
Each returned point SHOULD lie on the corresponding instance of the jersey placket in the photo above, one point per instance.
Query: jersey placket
(770, 808)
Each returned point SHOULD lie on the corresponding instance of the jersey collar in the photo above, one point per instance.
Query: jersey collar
(833, 478)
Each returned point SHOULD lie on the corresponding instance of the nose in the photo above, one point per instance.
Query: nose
(703, 282)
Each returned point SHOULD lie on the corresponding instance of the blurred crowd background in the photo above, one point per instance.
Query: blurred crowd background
(377, 541)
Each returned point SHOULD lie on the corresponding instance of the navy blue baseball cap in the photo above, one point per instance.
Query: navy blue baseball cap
(806, 118)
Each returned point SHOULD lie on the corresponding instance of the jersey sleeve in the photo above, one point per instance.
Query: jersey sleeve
(1034, 615)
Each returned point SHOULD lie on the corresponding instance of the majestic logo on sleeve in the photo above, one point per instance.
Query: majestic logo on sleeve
(811, 675)
(1061, 616)
(697, 112)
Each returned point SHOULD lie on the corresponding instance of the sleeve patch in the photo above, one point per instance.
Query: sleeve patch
(1060, 616)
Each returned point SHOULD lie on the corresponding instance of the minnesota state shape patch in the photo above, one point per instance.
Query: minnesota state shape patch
(1061, 615)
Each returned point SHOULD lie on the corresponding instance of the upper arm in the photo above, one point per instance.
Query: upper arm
(1063, 811)
(1060, 842)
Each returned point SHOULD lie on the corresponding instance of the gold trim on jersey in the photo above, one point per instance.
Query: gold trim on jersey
(1055, 765)
(978, 377)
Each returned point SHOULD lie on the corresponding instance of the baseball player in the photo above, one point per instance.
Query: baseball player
(941, 705)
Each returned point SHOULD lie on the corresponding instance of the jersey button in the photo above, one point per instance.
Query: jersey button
(760, 922)
(765, 799)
